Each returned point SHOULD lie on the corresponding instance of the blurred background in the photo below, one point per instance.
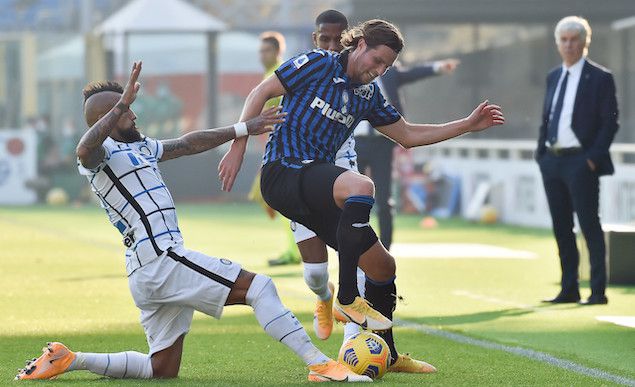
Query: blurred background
(201, 60)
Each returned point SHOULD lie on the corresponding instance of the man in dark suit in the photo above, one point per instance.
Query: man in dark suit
(579, 122)
(375, 152)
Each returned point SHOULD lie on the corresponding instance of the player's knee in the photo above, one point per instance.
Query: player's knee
(261, 287)
(352, 184)
(362, 186)
(316, 276)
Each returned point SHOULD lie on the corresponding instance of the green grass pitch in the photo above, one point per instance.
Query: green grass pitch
(63, 279)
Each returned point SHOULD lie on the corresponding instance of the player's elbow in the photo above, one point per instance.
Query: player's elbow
(405, 142)
(82, 153)
(407, 145)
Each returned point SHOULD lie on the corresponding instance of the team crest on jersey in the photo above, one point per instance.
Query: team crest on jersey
(144, 150)
(345, 100)
(365, 91)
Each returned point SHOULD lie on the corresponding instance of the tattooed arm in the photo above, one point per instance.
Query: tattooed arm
(89, 149)
(202, 140)
(196, 142)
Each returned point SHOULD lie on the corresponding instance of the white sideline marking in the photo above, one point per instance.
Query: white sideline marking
(625, 321)
(527, 353)
(457, 251)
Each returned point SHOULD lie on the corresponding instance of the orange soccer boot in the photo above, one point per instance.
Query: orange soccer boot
(361, 313)
(54, 361)
(332, 371)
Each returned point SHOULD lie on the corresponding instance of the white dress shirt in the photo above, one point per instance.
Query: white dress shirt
(566, 136)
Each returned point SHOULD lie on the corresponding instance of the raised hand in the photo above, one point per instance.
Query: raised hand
(265, 121)
(132, 87)
(484, 116)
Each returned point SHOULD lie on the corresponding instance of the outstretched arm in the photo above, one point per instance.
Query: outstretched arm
(230, 165)
(202, 140)
(412, 135)
(89, 149)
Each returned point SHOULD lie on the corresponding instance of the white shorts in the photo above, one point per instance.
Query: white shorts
(169, 289)
(300, 232)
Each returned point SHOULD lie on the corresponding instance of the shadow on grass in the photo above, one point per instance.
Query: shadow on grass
(473, 317)
(231, 351)
(290, 274)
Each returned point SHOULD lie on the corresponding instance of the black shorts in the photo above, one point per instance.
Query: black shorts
(304, 194)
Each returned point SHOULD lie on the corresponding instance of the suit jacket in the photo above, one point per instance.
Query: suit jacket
(595, 114)
(398, 76)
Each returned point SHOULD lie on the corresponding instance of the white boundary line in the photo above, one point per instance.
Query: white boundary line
(527, 353)
(519, 351)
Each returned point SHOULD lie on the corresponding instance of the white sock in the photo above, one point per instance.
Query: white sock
(122, 365)
(279, 322)
(316, 276)
(350, 328)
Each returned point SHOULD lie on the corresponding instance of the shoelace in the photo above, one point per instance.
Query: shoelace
(364, 307)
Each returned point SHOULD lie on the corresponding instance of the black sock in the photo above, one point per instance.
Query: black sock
(354, 237)
(383, 297)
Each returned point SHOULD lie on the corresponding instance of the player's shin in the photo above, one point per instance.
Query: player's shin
(354, 236)
(279, 322)
(383, 297)
(122, 365)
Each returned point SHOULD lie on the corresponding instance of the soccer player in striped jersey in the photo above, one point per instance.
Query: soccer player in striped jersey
(325, 96)
(167, 281)
(329, 26)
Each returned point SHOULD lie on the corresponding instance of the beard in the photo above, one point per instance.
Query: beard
(130, 135)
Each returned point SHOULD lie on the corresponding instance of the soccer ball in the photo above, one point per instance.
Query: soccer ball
(56, 197)
(366, 354)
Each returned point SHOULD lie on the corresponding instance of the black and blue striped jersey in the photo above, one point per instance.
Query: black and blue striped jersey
(323, 107)
(130, 188)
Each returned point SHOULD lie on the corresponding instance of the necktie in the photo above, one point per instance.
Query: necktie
(552, 127)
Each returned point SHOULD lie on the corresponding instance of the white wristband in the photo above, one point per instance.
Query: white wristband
(240, 129)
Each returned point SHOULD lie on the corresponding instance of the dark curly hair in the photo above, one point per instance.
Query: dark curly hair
(97, 87)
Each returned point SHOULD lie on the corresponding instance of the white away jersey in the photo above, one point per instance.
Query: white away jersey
(130, 188)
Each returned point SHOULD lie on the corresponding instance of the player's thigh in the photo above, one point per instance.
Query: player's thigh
(163, 325)
(313, 250)
(199, 281)
(317, 192)
(238, 293)
(377, 263)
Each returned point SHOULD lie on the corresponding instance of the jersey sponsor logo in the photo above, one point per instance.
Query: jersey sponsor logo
(300, 61)
(365, 91)
(332, 114)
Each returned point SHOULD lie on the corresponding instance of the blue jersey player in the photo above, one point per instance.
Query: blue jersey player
(325, 96)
